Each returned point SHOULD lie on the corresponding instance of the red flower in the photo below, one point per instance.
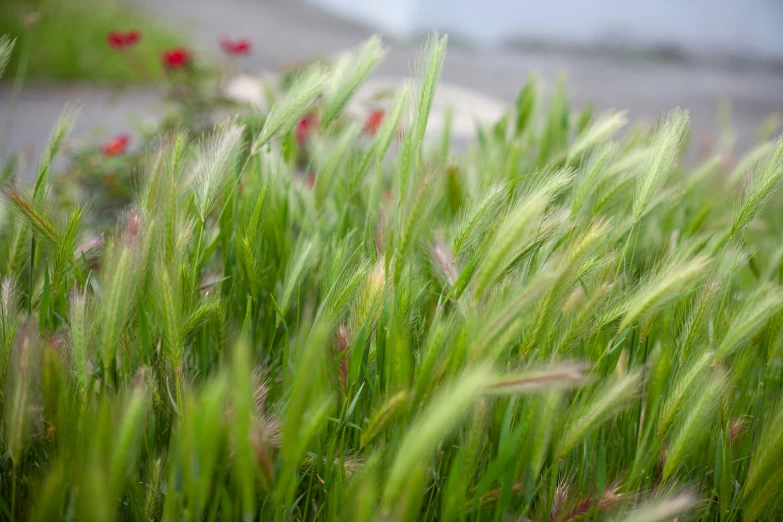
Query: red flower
(238, 47)
(373, 122)
(176, 58)
(117, 145)
(119, 40)
(304, 127)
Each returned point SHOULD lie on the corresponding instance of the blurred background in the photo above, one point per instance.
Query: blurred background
(721, 59)
(717, 29)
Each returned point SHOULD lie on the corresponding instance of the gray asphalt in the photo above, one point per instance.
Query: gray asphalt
(103, 112)
(289, 30)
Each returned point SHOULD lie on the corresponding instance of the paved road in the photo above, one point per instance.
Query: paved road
(102, 112)
(284, 30)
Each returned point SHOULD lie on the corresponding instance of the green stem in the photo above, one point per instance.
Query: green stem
(198, 253)
(13, 492)
(32, 277)
(633, 250)
(644, 385)
(180, 388)
(621, 262)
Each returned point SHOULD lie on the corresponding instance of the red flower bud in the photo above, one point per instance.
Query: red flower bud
(304, 128)
(238, 47)
(117, 145)
(373, 122)
(176, 58)
(120, 40)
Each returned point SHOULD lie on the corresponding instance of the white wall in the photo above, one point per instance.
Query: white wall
(719, 27)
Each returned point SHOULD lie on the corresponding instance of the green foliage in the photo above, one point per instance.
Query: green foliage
(554, 323)
(350, 71)
(299, 97)
(66, 41)
(6, 47)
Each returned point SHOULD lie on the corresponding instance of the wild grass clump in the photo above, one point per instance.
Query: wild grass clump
(559, 322)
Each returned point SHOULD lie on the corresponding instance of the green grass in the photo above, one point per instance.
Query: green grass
(68, 41)
(556, 323)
